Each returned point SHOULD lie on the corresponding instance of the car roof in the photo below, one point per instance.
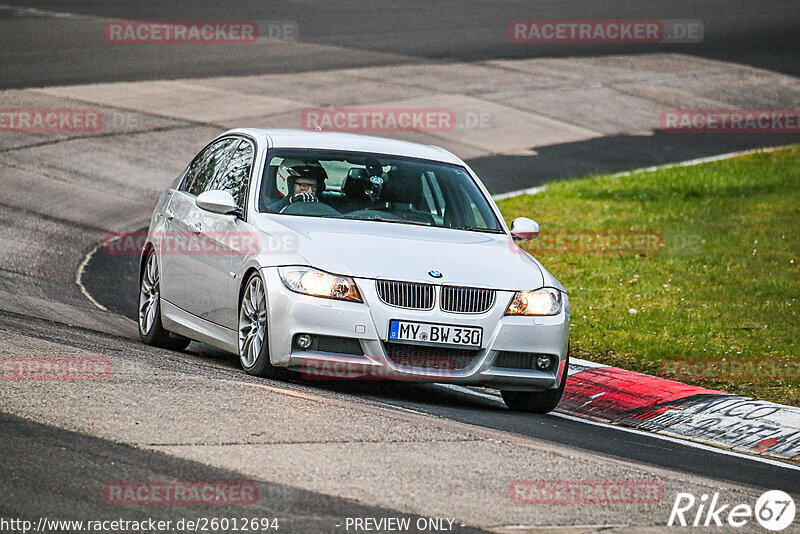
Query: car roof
(285, 138)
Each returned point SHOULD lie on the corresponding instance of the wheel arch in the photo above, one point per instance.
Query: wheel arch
(146, 251)
(247, 274)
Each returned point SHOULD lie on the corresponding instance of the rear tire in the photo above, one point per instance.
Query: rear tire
(536, 401)
(151, 330)
(253, 335)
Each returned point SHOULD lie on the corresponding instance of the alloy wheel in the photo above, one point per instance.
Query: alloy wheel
(149, 295)
(252, 321)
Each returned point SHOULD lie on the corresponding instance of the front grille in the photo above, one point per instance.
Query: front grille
(338, 345)
(428, 357)
(467, 299)
(406, 294)
(515, 360)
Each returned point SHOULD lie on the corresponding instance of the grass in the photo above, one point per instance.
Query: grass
(725, 285)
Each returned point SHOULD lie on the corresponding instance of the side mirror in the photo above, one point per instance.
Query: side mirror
(524, 229)
(217, 201)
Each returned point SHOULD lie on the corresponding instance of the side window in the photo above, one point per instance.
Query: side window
(193, 169)
(203, 169)
(237, 174)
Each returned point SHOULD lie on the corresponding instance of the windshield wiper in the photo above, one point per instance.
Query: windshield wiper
(471, 229)
(381, 219)
(404, 221)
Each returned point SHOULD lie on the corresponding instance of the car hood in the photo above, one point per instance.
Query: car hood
(371, 249)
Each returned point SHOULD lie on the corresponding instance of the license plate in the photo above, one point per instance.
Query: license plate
(466, 336)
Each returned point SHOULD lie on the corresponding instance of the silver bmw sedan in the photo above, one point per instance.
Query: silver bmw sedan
(340, 256)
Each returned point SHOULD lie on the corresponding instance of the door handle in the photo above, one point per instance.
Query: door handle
(195, 228)
(169, 215)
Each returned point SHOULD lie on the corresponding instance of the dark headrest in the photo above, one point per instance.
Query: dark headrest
(356, 182)
(403, 187)
(358, 173)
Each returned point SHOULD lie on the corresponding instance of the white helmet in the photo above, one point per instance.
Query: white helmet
(290, 169)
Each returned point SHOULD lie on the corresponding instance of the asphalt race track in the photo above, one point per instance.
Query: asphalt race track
(338, 35)
(322, 452)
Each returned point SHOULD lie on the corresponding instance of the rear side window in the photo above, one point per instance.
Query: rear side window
(204, 167)
(237, 174)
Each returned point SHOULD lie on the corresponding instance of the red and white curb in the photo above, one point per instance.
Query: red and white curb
(654, 404)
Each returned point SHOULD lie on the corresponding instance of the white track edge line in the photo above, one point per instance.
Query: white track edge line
(79, 277)
(36, 12)
(688, 443)
(511, 194)
(687, 163)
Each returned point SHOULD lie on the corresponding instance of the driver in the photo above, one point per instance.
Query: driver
(303, 181)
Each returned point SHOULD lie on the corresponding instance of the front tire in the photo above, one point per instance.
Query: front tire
(536, 401)
(151, 330)
(253, 338)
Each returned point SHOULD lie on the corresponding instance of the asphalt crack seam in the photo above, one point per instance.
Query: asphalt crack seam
(109, 134)
(52, 219)
(83, 180)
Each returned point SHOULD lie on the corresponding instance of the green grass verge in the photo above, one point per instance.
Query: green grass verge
(725, 285)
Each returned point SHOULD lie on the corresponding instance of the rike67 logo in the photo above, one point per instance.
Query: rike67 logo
(774, 510)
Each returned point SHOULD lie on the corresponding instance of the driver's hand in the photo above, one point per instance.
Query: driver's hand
(303, 197)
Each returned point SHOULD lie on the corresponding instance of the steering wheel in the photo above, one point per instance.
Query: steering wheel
(300, 198)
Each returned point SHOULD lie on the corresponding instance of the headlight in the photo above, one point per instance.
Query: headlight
(310, 281)
(544, 301)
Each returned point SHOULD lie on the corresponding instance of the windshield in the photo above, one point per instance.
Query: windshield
(373, 187)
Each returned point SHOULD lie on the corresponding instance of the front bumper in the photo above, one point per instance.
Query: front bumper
(291, 314)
